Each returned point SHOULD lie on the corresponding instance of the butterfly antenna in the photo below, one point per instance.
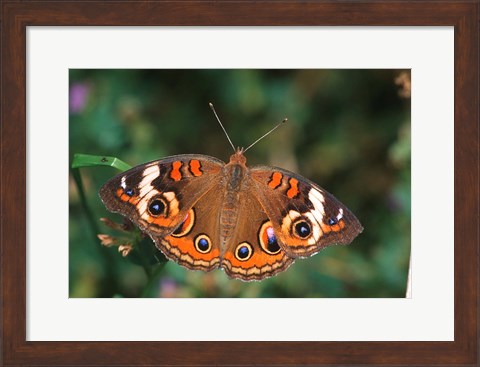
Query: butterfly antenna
(260, 138)
(225, 131)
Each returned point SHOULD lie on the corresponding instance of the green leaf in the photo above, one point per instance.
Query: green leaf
(87, 160)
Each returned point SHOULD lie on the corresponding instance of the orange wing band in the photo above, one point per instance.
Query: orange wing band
(293, 190)
(176, 175)
(276, 180)
(195, 168)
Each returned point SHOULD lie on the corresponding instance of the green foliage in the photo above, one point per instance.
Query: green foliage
(86, 160)
(347, 130)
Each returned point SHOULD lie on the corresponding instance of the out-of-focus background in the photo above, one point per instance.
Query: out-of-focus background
(347, 130)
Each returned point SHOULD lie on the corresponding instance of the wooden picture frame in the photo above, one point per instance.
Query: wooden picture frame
(17, 16)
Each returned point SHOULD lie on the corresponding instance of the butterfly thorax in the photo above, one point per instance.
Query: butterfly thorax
(235, 182)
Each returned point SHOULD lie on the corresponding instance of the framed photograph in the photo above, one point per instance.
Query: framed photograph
(173, 177)
(150, 116)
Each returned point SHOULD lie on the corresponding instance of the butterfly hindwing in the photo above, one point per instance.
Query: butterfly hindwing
(253, 251)
(195, 242)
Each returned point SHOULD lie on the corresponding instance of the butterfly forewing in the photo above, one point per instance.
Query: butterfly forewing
(158, 195)
(306, 217)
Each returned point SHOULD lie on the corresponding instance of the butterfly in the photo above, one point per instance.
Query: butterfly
(205, 214)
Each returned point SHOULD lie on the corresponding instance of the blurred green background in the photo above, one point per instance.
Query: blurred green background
(348, 131)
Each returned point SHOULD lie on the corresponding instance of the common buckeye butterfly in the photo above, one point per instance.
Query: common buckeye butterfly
(205, 214)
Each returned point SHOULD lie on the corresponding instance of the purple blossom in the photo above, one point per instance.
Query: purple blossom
(168, 288)
(78, 97)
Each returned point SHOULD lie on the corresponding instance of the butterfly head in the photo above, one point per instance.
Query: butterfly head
(238, 157)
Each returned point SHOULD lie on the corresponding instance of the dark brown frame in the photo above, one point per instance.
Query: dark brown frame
(16, 16)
